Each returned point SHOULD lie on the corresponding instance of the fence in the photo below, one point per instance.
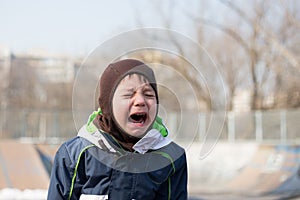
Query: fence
(261, 126)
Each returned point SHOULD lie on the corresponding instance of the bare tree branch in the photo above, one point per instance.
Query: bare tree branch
(267, 34)
(290, 16)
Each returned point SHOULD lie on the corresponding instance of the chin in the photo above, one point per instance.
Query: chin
(138, 133)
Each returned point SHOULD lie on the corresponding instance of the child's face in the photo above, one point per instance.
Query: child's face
(134, 105)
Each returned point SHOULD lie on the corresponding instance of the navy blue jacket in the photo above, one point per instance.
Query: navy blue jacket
(81, 169)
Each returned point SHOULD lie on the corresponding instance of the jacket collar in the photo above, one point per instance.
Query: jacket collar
(153, 140)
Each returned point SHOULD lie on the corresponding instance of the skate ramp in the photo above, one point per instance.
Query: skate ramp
(246, 171)
(273, 170)
(47, 153)
(21, 166)
(47, 149)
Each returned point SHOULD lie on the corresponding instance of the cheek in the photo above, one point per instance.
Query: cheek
(152, 108)
(120, 110)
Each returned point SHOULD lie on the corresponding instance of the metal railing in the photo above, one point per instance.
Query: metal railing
(280, 126)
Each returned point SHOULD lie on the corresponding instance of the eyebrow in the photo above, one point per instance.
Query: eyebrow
(128, 89)
(146, 87)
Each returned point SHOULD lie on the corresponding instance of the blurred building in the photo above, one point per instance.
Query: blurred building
(5, 58)
(50, 68)
(5, 64)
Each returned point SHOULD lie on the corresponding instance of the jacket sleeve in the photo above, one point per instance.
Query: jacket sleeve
(61, 175)
(175, 188)
(179, 181)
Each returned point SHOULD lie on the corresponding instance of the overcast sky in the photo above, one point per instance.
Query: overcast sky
(72, 26)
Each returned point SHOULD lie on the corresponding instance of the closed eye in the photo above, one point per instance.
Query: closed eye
(129, 95)
(150, 95)
(149, 92)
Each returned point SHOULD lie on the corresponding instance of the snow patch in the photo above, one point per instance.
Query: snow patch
(16, 194)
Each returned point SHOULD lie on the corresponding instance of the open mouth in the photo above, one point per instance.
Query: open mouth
(138, 118)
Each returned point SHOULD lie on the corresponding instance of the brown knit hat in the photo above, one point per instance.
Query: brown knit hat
(109, 81)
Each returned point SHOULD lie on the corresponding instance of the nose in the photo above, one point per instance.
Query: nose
(139, 100)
